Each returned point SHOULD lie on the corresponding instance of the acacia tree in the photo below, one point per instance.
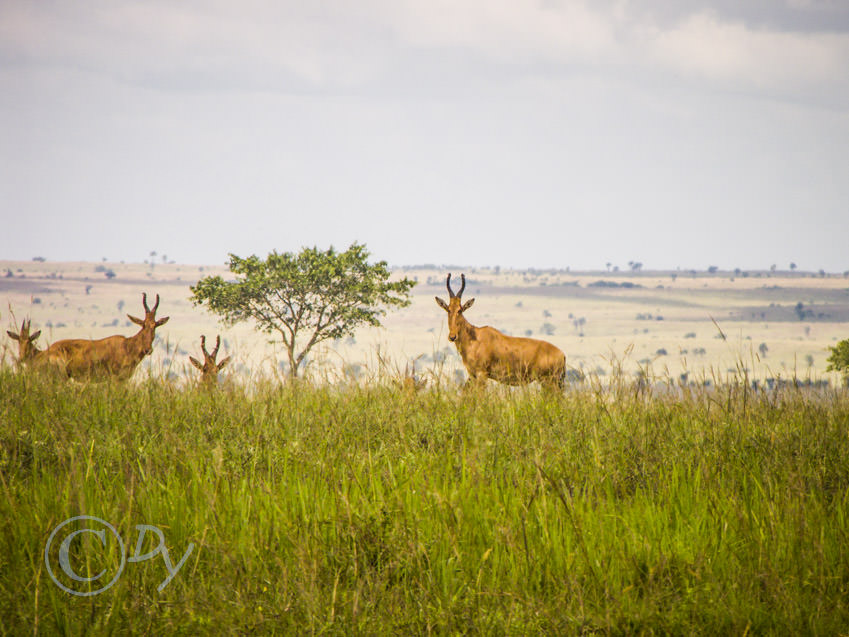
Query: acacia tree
(305, 298)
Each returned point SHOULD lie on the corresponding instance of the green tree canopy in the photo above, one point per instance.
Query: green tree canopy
(838, 361)
(306, 298)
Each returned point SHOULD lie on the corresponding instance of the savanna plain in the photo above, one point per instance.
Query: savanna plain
(669, 490)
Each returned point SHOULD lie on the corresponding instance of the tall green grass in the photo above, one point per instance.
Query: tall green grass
(373, 510)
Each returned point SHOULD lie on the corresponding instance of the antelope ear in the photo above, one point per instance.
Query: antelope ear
(467, 305)
(224, 362)
(196, 363)
(12, 335)
(35, 336)
(135, 320)
(162, 321)
(441, 303)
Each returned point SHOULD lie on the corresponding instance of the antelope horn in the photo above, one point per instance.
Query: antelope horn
(203, 345)
(217, 343)
(144, 302)
(155, 305)
(448, 285)
(462, 285)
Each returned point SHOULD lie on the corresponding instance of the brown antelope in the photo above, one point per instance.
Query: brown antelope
(26, 342)
(487, 353)
(115, 356)
(209, 370)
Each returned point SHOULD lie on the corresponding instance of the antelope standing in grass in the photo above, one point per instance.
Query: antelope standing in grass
(487, 353)
(209, 369)
(116, 356)
(26, 342)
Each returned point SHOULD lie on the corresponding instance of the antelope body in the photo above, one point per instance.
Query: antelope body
(209, 369)
(116, 356)
(26, 342)
(488, 353)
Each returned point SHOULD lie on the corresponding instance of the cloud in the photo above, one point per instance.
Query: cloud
(705, 46)
(372, 44)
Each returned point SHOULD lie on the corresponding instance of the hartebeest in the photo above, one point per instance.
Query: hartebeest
(115, 356)
(487, 353)
(209, 370)
(26, 342)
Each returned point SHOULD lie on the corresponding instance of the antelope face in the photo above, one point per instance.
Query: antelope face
(455, 308)
(148, 324)
(26, 341)
(209, 369)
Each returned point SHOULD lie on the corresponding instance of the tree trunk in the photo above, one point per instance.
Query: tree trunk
(293, 365)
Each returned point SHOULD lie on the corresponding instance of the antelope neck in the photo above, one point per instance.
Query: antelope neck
(466, 331)
(136, 345)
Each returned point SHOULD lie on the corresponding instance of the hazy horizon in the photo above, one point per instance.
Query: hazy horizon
(615, 268)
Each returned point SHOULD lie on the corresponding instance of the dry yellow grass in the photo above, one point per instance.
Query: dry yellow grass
(668, 311)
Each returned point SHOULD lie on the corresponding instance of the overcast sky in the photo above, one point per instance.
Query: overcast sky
(677, 133)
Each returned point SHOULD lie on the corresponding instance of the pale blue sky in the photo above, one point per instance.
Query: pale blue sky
(549, 134)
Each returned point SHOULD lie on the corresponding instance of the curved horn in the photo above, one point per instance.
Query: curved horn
(448, 285)
(462, 285)
(203, 345)
(155, 305)
(144, 302)
(217, 343)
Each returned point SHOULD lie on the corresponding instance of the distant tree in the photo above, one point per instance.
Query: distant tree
(713, 269)
(792, 266)
(809, 360)
(547, 329)
(838, 360)
(305, 298)
(763, 348)
(608, 264)
(109, 274)
(773, 268)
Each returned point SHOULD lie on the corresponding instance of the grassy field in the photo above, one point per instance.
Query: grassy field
(365, 509)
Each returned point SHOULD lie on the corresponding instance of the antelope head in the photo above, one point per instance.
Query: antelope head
(148, 324)
(455, 307)
(209, 369)
(26, 341)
